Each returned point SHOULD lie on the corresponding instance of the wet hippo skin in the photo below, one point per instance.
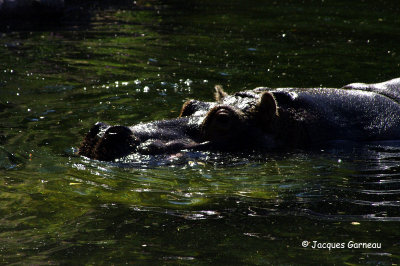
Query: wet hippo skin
(261, 119)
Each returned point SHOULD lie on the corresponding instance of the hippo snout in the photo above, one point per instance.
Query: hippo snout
(104, 142)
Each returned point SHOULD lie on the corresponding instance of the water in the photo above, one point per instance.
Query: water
(124, 66)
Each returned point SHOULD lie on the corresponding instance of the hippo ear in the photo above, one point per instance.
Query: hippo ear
(267, 107)
(219, 93)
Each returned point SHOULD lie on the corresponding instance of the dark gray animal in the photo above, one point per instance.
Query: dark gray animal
(260, 119)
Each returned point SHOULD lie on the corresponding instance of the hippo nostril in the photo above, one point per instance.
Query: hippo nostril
(113, 142)
(92, 138)
(98, 129)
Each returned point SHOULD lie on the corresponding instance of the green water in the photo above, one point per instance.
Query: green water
(129, 65)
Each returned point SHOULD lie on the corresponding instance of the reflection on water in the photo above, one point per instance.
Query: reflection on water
(188, 209)
(257, 202)
(126, 66)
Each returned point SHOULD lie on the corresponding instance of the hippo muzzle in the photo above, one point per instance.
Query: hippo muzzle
(105, 142)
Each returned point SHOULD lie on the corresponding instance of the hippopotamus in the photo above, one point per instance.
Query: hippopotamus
(263, 119)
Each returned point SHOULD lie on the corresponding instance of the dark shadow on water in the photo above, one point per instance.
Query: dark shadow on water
(75, 15)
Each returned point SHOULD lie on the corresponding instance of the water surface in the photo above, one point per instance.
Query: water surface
(124, 65)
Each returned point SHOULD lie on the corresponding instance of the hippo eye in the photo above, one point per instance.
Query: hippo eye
(221, 123)
(222, 117)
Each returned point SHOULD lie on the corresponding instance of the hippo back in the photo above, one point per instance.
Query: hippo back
(342, 114)
(390, 88)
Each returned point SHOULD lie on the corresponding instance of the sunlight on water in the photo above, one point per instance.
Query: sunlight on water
(125, 66)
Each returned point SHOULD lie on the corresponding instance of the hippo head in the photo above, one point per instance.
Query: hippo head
(232, 122)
